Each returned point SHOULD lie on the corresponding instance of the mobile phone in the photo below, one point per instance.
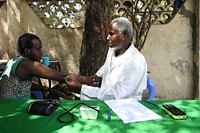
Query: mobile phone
(174, 111)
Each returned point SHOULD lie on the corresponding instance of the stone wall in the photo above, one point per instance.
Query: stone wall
(62, 44)
(169, 53)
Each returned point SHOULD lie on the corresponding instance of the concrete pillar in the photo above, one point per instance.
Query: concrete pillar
(3, 31)
(197, 52)
(13, 18)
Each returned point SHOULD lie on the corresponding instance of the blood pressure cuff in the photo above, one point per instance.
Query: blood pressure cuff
(44, 107)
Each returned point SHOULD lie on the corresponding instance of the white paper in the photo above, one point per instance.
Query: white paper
(130, 110)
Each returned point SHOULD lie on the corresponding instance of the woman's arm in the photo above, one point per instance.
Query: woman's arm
(81, 79)
(33, 68)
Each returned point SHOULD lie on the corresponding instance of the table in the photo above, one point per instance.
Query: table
(14, 119)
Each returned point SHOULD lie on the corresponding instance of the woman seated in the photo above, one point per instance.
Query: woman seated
(16, 79)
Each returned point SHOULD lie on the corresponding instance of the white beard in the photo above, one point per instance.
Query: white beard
(118, 46)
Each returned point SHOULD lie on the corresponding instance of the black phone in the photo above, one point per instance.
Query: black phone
(43, 107)
(174, 111)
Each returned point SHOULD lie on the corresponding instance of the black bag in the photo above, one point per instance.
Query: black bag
(44, 107)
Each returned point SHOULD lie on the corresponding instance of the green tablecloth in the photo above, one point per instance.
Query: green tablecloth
(15, 119)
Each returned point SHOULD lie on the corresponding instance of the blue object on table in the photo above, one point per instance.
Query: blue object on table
(146, 101)
(109, 117)
(37, 94)
(151, 88)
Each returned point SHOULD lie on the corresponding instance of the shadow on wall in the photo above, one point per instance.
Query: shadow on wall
(3, 32)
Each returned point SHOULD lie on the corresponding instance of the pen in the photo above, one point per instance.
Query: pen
(109, 117)
(151, 103)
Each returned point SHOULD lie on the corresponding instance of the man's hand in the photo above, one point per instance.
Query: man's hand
(96, 81)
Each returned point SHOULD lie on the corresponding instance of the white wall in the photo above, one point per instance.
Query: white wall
(169, 54)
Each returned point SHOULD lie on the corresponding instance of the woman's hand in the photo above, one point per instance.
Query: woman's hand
(73, 84)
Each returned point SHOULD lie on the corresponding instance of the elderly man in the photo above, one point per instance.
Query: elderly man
(124, 73)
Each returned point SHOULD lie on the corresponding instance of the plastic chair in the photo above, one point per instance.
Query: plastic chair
(151, 88)
(37, 94)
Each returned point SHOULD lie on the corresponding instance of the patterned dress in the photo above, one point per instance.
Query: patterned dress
(12, 86)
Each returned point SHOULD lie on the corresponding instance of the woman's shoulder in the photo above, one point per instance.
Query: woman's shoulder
(18, 59)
